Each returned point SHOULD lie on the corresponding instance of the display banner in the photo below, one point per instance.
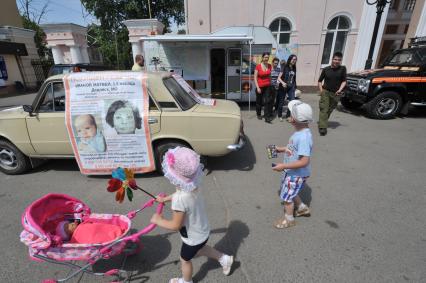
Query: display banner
(193, 93)
(106, 116)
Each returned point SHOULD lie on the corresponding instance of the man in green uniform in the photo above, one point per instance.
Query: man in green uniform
(331, 83)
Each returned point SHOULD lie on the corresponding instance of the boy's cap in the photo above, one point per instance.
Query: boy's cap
(300, 111)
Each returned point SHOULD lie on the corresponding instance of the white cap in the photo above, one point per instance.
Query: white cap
(300, 111)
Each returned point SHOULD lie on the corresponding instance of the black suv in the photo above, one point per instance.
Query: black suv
(385, 92)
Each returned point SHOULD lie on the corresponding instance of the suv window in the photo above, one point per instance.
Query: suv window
(179, 94)
(54, 98)
(407, 57)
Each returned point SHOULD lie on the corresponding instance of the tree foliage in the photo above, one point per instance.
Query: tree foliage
(112, 36)
(31, 18)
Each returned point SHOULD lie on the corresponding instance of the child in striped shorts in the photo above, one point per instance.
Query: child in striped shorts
(296, 167)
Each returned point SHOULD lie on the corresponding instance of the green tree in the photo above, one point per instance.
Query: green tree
(111, 36)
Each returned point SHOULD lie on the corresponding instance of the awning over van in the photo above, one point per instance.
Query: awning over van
(13, 48)
(198, 38)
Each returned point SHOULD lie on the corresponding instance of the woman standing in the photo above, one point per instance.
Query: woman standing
(288, 79)
(262, 80)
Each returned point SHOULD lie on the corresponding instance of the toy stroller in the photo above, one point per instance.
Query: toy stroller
(40, 221)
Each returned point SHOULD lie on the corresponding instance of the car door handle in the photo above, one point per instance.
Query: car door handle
(152, 120)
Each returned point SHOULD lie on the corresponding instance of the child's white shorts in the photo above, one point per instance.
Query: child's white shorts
(291, 186)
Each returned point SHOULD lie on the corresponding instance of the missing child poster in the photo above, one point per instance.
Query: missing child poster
(106, 117)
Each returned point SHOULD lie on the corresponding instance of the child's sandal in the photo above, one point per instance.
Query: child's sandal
(283, 223)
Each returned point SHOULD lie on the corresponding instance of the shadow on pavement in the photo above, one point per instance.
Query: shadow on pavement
(242, 160)
(306, 194)
(229, 244)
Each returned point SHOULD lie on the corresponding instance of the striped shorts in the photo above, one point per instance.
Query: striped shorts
(291, 186)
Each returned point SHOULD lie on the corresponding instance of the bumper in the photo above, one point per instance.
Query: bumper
(239, 145)
(354, 96)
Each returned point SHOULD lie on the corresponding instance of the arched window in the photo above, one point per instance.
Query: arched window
(335, 39)
(281, 30)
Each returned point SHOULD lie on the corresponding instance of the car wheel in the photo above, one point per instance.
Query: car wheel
(349, 104)
(384, 106)
(161, 149)
(12, 160)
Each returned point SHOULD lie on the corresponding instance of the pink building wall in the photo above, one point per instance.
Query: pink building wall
(308, 19)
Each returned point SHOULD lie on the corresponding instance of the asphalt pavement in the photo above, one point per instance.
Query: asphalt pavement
(367, 195)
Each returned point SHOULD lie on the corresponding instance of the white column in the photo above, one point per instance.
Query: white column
(58, 58)
(421, 26)
(365, 33)
(136, 49)
(85, 54)
(75, 54)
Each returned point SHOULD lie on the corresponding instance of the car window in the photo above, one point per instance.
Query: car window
(59, 97)
(152, 105)
(47, 104)
(406, 58)
(53, 99)
(179, 94)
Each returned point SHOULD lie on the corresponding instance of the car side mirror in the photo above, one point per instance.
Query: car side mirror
(28, 108)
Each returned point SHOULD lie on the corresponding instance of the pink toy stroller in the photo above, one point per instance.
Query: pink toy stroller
(41, 218)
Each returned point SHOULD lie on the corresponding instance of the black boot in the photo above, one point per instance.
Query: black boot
(322, 131)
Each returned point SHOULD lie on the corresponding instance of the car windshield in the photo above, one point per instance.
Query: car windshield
(407, 57)
(183, 98)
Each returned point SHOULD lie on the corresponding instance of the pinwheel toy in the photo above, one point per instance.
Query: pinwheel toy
(122, 183)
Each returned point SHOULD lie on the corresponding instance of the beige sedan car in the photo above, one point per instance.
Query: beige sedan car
(32, 132)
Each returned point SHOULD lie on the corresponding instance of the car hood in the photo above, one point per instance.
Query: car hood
(12, 112)
(220, 107)
(388, 71)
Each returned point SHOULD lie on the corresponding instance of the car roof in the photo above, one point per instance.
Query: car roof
(149, 74)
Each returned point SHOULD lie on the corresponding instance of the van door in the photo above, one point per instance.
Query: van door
(233, 71)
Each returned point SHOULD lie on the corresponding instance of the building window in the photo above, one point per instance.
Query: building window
(335, 39)
(409, 5)
(391, 29)
(394, 5)
(281, 30)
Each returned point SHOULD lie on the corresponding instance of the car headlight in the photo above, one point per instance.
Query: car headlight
(363, 85)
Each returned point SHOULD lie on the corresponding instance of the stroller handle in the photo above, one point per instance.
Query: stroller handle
(150, 227)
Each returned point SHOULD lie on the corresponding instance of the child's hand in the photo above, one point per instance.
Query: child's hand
(160, 199)
(279, 167)
(156, 218)
(283, 149)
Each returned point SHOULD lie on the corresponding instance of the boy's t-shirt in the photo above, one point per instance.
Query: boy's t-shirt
(300, 144)
(196, 228)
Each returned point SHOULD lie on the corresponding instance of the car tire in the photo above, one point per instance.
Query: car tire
(12, 160)
(350, 104)
(384, 106)
(161, 149)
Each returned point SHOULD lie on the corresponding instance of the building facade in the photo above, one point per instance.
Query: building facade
(312, 29)
(17, 49)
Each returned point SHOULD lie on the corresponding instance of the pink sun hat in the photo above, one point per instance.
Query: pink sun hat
(182, 167)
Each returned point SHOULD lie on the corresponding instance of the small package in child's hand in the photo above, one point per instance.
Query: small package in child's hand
(272, 151)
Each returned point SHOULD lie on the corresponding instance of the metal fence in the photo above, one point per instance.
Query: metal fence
(41, 69)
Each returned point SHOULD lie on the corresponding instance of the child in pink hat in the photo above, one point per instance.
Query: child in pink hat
(181, 166)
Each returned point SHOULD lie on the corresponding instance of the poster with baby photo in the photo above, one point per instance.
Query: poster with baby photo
(106, 115)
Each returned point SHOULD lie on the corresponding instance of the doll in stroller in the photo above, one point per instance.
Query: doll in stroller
(60, 229)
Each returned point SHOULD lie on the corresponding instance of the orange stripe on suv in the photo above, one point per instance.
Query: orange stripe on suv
(399, 80)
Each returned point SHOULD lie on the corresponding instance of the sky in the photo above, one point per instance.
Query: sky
(66, 11)
(62, 11)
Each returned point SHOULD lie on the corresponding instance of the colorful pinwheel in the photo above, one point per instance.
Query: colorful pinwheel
(122, 182)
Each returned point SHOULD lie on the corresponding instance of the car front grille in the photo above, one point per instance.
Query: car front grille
(352, 84)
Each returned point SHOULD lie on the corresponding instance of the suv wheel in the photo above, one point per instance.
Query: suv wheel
(349, 104)
(385, 105)
(12, 160)
(161, 149)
